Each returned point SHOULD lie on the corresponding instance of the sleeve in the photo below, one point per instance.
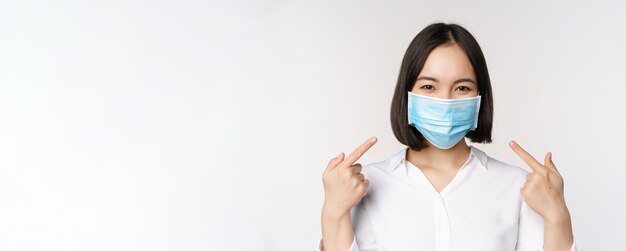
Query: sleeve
(363, 231)
(574, 246)
(530, 232)
(353, 247)
(365, 240)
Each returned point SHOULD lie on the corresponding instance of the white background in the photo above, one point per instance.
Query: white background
(193, 125)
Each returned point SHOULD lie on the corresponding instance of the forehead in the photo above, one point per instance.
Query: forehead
(448, 61)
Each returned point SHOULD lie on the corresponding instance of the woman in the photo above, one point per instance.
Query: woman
(438, 193)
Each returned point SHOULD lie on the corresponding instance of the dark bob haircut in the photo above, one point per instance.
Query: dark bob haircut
(428, 39)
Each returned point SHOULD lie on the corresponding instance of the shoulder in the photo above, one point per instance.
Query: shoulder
(505, 172)
(497, 174)
(387, 165)
(498, 166)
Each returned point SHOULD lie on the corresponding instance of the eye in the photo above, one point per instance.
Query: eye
(427, 87)
(463, 88)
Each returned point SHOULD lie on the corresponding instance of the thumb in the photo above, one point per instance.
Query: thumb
(335, 161)
(549, 163)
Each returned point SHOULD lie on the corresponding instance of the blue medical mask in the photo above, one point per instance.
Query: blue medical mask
(443, 122)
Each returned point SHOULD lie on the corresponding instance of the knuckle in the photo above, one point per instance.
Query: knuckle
(355, 182)
(361, 188)
(553, 175)
(364, 185)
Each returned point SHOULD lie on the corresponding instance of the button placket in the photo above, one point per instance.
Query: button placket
(442, 224)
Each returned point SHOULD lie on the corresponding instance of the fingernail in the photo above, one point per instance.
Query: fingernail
(512, 143)
(373, 139)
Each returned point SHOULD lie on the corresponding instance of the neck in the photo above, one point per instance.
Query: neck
(442, 159)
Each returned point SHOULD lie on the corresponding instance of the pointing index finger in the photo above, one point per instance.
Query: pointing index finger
(354, 156)
(529, 159)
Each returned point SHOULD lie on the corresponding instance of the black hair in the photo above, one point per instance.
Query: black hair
(424, 42)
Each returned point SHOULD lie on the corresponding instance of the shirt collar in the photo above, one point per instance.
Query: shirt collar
(399, 158)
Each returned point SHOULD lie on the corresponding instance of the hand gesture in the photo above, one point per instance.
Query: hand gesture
(543, 189)
(344, 184)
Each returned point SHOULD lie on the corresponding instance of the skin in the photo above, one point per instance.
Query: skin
(447, 73)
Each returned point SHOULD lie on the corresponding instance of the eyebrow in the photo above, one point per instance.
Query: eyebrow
(455, 82)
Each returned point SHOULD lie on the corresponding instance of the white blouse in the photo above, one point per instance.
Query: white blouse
(481, 209)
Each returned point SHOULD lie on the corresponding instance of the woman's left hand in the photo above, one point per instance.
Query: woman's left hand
(543, 189)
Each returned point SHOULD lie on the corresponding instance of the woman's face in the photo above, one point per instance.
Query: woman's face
(447, 73)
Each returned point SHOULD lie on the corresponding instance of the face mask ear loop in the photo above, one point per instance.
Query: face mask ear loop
(477, 112)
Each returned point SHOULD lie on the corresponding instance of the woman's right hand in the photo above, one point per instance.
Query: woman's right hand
(344, 184)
